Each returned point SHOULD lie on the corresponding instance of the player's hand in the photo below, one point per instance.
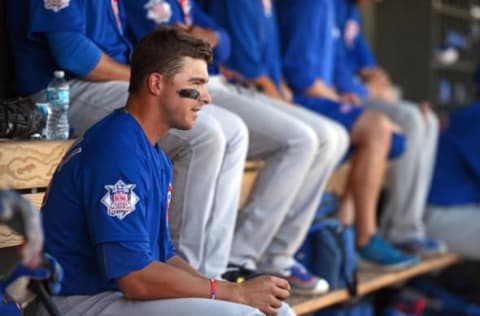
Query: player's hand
(374, 74)
(208, 35)
(265, 293)
(351, 98)
(286, 92)
(381, 90)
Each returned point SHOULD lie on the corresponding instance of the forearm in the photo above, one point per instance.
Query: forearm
(267, 86)
(319, 89)
(108, 69)
(181, 264)
(161, 280)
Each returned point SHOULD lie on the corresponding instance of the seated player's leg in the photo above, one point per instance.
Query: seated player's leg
(201, 157)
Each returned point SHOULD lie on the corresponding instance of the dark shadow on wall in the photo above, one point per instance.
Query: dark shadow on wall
(6, 74)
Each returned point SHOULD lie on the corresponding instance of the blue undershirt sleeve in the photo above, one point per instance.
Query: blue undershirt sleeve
(73, 52)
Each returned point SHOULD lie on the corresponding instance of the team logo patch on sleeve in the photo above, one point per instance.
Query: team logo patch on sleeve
(56, 5)
(120, 199)
(352, 30)
(159, 11)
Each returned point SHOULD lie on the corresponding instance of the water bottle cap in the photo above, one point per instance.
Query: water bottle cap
(59, 73)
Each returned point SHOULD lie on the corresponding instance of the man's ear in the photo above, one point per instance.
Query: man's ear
(155, 83)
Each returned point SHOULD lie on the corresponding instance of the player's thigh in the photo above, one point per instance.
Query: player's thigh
(233, 127)
(114, 304)
(270, 129)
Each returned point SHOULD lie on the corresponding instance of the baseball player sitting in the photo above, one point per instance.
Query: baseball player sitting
(453, 205)
(256, 55)
(106, 213)
(312, 66)
(87, 39)
(299, 148)
(409, 176)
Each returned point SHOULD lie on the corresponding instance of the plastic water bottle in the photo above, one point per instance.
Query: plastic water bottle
(58, 97)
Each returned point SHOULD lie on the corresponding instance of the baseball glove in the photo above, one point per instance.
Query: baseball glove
(20, 118)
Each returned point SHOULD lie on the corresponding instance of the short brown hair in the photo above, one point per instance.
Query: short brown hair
(162, 51)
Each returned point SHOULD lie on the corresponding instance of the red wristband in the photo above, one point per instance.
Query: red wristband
(213, 289)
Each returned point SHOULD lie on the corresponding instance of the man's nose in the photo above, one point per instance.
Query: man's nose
(205, 97)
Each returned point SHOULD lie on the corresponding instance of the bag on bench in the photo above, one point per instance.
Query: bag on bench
(329, 248)
(329, 252)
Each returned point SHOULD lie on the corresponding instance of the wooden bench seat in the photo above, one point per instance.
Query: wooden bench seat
(370, 281)
(28, 166)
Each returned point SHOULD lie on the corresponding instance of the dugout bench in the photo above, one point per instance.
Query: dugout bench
(27, 166)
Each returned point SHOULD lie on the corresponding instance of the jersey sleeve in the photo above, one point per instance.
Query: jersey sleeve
(361, 52)
(119, 259)
(73, 52)
(115, 190)
(344, 77)
(56, 16)
(305, 42)
(221, 52)
(245, 42)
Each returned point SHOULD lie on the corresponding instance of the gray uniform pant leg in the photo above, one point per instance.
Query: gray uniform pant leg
(289, 147)
(409, 176)
(113, 304)
(458, 226)
(332, 146)
(208, 164)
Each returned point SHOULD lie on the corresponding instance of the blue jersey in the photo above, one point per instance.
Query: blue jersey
(145, 15)
(312, 47)
(456, 177)
(353, 52)
(359, 54)
(105, 214)
(29, 20)
(307, 46)
(252, 26)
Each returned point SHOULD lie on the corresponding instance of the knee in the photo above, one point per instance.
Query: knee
(379, 128)
(309, 140)
(206, 139)
(302, 141)
(343, 140)
(334, 141)
(414, 125)
(212, 139)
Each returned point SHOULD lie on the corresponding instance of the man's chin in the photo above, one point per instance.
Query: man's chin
(187, 126)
